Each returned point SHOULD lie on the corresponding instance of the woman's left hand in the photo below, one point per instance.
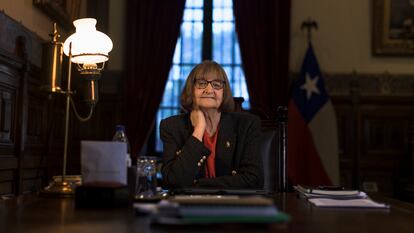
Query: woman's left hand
(199, 123)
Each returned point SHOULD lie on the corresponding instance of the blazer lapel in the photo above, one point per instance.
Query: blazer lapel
(226, 143)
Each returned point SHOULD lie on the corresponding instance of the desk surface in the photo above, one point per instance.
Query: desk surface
(46, 215)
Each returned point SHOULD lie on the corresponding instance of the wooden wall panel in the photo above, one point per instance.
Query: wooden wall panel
(22, 143)
(373, 127)
(7, 188)
(9, 163)
(8, 100)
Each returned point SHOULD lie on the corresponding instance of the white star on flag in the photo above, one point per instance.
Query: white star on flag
(310, 86)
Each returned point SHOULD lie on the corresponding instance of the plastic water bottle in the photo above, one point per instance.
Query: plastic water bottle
(120, 136)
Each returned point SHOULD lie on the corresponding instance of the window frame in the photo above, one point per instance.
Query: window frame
(206, 54)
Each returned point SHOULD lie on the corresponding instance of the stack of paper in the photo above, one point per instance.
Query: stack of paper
(308, 192)
(338, 198)
(212, 209)
(350, 203)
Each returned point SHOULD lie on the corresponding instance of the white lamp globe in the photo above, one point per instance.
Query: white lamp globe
(89, 46)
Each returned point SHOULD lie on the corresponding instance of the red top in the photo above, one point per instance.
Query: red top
(210, 143)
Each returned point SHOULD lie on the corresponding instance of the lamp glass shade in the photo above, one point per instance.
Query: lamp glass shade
(89, 46)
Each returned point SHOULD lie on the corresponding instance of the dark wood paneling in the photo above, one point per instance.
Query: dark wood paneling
(374, 130)
(32, 122)
(21, 141)
(6, 176)
(7, 188)
(8, 97)
(10, 31)
(8, 163)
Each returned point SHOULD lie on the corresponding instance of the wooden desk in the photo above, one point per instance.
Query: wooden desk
(45, 215)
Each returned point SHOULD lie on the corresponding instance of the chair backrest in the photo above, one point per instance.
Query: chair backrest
(268, 151)
(273, 146)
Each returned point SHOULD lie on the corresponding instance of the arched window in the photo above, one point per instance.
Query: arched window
(207, 32)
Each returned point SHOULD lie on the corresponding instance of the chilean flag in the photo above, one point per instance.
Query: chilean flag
(312, 130)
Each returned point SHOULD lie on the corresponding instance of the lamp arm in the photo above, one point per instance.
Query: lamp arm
(83, 55)
(80, 118)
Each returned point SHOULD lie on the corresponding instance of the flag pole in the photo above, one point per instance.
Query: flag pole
(282, 119)
(308, 25)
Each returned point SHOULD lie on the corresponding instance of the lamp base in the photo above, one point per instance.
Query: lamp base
(59, 188)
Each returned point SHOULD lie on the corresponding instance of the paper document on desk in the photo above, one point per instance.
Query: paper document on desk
(104, 163)
(360, 195)
(226, 200)
(321, 191)
(351, 203)
(213, 209)
(332, 194)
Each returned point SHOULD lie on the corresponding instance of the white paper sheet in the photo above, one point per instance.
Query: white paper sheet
(104, 161)
(353, 203)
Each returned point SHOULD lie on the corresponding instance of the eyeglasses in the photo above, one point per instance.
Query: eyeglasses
(215, 84)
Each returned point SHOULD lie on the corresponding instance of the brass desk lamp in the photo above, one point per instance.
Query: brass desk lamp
(88, 48)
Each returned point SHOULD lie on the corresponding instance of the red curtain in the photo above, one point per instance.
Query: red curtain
(152, 29)
(263, 29)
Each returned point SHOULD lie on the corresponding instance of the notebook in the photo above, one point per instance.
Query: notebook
(212, 209)
(218, 191)
(322, 191)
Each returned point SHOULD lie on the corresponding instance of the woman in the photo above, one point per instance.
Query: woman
(210, 146)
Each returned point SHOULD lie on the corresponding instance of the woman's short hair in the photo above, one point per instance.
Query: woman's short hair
(200, 71)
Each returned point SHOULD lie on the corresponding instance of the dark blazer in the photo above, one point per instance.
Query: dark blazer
(238, 162)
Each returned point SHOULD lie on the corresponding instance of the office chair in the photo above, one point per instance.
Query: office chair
(268, 150)
(273, 146)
